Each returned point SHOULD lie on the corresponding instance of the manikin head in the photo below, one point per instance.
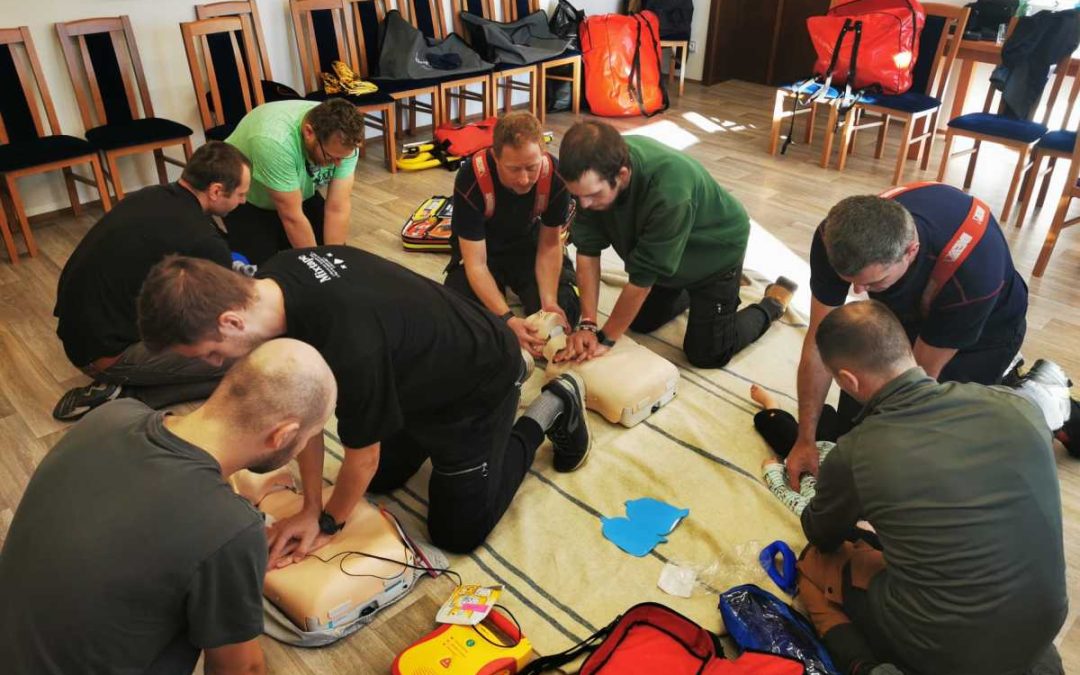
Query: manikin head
(864, 347)
(199, 309)
(518, 147)
(219, 176)
(267, 407)
(332, 132)
(594, 160)
(871, 242)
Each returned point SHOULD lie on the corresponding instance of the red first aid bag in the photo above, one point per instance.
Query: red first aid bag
(465, 140)
(622, 64)
(867, 44)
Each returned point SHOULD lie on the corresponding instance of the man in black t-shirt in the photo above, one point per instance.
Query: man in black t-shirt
(95, 299)
(422, 373)
(130, 553)
(887, 246)
(515, 246)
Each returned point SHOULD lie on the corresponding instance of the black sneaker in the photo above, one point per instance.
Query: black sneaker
(570, 436)
(77, 402)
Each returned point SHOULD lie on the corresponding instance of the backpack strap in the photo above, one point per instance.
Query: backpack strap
(954, 254)
(587, 646)
(543, 187)
(482, 171)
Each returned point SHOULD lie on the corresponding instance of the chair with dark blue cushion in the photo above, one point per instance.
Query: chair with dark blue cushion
(1054, 145)
(918, 107)
(504, 73)
(261, 77)
(219, 62)
(324, 34)
(26, 146)
(1069, 192)
(368, 16)
(1000, 129)
(563, 68)
(102, 56)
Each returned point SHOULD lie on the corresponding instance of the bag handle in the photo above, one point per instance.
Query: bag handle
(635, 71)
(586, 646)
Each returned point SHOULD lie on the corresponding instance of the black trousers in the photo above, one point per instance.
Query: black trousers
(478, 462)
(717, 328)
(518, 272)
(258, 233)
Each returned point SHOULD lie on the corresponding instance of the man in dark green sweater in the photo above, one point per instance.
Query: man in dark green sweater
(959, 483)
(682, 237)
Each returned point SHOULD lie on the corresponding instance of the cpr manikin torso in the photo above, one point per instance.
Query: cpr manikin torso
(625, 385)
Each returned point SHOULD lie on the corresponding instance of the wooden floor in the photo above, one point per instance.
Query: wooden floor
(726, 128)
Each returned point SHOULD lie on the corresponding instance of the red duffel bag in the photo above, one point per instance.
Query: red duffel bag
(867, 44)
(622, 64)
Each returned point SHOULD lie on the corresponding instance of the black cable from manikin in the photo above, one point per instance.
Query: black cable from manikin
(344, 555)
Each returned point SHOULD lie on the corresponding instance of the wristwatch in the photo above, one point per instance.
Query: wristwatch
(603, 339)
(506, 317)
(327, 524)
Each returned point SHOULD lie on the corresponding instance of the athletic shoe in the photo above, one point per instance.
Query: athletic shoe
(1047, 386)
(570, 435)
(79, 401)
(782, 290)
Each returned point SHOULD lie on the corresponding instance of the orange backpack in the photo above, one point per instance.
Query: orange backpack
(622, 64)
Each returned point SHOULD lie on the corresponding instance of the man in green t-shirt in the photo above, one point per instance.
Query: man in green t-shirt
(295, 148)
(682, 238)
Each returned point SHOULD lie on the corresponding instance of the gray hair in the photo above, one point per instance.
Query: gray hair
(866, 230)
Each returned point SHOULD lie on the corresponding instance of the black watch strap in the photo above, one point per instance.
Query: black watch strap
(327, 524)
(506, 317)
(603, 339)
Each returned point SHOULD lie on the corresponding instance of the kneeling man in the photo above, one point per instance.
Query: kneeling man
(960, 485)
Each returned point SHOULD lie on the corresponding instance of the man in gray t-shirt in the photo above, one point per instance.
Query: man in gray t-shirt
(960, 485)
(130, 553)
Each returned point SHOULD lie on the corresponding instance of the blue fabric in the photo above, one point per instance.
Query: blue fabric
(1002, 127)
(911, 101)
(1061, 141)
(785, 577)
(647, 524)
(136, 132)
(929, 40)
(807, 88)
(37, 151)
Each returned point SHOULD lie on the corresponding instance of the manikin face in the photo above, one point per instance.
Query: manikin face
(519, 168)
(596, 194)
(221, 203)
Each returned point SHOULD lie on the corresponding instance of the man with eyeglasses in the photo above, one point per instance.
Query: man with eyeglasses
(295, 147)
(515, 241)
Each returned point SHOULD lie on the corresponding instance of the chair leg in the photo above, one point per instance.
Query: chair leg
(1014, 184)
(811, 123)
(1028, 188)
(970, 175)
(187, 150)
(1046, 182)
(73, 193)
(390, 138)
(905, 143)
(830, 136)
(508, 95)
(1058, 223)
(879, 147)
(9, 241)
(928, 142)
(575, 95)
(857, 115)
(162, 172)
(847, 139)
(20, 214)
(777, 121)
(114, 175)
(945, 157)
(103, 189)
(682, 71)
(534, 86)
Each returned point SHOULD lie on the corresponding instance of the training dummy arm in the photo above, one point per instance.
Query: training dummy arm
(932, 359)
(336, 214)
(814, 381)
(289, 207)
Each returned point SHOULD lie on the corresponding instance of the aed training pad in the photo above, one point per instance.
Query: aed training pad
(647, 524)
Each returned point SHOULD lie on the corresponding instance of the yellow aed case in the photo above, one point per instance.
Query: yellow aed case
(453, 649)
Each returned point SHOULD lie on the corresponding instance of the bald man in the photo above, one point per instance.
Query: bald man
(130, 553)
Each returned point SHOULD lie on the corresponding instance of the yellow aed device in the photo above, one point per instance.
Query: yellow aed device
(495, 646)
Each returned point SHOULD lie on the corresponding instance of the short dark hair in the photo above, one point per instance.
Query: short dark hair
(182, 298)
(862, 335)
(337, 116)
(593, 146)
(866, 230)
(215, 162)
(516, 129)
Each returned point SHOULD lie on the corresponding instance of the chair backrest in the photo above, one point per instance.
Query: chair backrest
(219, 65)
(20, 113)
(484, 8)
(367, 16)
(516, 9)
(324, 34)
(937, 52)
(241, 8)
(102, 56)
(427, 17)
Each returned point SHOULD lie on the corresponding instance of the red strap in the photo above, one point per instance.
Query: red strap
(954, 254)
(484, 181)
(895, 192)
(543, 188)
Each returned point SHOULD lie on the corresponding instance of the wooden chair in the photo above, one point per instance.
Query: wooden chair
(427, 17)
(260, 69)
(368, 16)
(224, 93)
(1054, 145)
(918, 108)
(504, 73)
(324, 34)
(995, 127)
(553, 70)
(102, 56)
(26, 146)
(677, 47)
(1070, 192)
